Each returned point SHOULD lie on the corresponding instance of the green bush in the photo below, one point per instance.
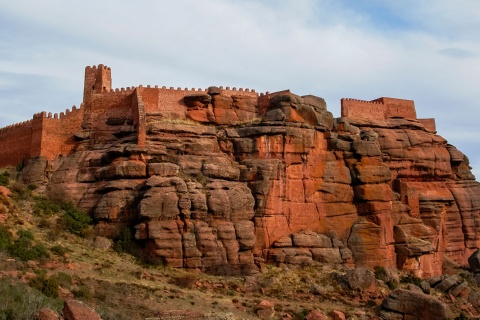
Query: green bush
(46, 285)
(75, 221)
(124, 242)
(392, 284)
(82, 292)
(410, 278)
(381, 273)
(26, 249)
(5, 238)
(65, 280)
(19, 192)
(59, 250)
(25, 234)
(44, 207)
(4, 178)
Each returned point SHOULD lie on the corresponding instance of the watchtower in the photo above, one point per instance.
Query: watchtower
(97, 80)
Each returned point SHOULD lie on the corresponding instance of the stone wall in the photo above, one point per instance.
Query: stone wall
(15, 142)
(46, 135)
(378, 109)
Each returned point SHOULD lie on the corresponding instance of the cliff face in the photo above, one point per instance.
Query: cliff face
(233, 180)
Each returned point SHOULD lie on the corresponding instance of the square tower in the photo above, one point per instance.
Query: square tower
(97, 80)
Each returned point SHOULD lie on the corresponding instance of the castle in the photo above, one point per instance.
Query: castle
(231, 177)
(104, 109)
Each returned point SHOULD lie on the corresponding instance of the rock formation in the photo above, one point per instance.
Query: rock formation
(227, 179)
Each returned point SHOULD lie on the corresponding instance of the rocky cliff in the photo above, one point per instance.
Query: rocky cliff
(235, 180)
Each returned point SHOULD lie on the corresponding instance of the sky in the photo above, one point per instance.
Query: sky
(427, 51)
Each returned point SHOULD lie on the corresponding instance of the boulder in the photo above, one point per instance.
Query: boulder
(361, 279)
(47, 314)
(413, 305)
(338, 315)
(77, 310)
(265, 309)
(102, 243)
(316, 315)
(311, 239)
(448, 283)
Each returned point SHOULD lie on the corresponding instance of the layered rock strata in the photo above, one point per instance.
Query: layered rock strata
(224, 180)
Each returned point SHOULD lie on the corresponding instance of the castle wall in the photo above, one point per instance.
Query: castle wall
(163, 103)
(99, 108)
(15, 141)
(58, 133)
(378, 109)
(398, 108)
(360, 109)
(429, 124)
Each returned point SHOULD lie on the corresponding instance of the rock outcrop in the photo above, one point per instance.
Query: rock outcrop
(224, 180)
(406, 304)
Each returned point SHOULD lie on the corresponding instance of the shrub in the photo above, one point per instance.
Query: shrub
(410, 278)
(75, 221)
(392, 284)
(59, 250)
(5, 238)
(186, 281)
(82, 292)
(124, 242)
(25, 234)
(4, 178)
(44, 207)
(47, 286)
(380, 273)
(63, 279)
(19, 192)
(26, 249)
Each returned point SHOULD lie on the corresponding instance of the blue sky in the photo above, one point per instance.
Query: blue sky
(427, 51)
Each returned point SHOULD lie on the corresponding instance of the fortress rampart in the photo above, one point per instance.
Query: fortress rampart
(104, 109)
(378, 109)
(45, 135)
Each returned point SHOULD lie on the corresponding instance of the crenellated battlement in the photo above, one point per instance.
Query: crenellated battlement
(47, 134)
(363, 101)
(74, 111)
(15, 126)
(100, 66)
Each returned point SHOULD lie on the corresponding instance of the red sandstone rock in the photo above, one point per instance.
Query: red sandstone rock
(77, 310)
(361, 279)
(265, 309)
(338, 315)
(413, 305)
(47, 314)
(316, 315)
(5, 191)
